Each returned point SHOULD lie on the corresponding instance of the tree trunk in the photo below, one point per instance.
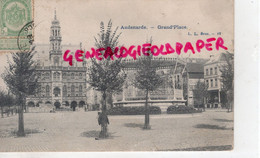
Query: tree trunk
(103, 132)
(147, 112)
(2, 111)
(104, 106)
(21, 132)
(230, 101)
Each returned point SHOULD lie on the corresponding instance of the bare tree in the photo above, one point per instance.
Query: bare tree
(21, 80)
(106, 76)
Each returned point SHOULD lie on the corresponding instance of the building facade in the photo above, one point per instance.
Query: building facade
(170, 91)
(60, 85)
(193, 74)
(212, 77)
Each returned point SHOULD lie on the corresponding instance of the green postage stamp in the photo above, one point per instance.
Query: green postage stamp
(15, 15)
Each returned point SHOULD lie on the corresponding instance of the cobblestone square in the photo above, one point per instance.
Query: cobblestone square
(76, 131)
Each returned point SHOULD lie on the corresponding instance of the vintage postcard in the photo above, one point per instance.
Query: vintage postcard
(116, 75)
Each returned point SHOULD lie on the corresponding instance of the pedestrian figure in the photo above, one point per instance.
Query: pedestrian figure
(103, 121)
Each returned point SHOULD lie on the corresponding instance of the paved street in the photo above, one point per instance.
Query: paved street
(76, 131)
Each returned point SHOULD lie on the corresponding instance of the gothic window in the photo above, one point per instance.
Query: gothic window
(80, 75)
(80, 88)
(64, 75)
(64, 90)
(56, 91)
(58, 76)
(56, 61)
(47, 90)
(72, 90)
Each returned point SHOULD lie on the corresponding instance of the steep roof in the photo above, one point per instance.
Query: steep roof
(218, 58)
(195, 67)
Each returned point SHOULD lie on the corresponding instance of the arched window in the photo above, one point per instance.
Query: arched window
(64, 76)
(53, 32)
(58, 76)
(64, 90)
(56, 91)
(47, 90)
(72, 76)
(80, 75)
(56, 61)
(72, 90)
(80, 88)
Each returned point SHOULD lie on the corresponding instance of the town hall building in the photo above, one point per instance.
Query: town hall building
(60, 85)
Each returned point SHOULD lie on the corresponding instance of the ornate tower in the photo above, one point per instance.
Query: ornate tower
(56, 60)
(55, 43)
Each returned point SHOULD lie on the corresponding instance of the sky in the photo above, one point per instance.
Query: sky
(80, 21)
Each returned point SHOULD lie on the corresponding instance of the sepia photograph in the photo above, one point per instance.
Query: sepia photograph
(79, 76)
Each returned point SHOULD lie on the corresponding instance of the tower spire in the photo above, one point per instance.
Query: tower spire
(55, 18)
(55, 42)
